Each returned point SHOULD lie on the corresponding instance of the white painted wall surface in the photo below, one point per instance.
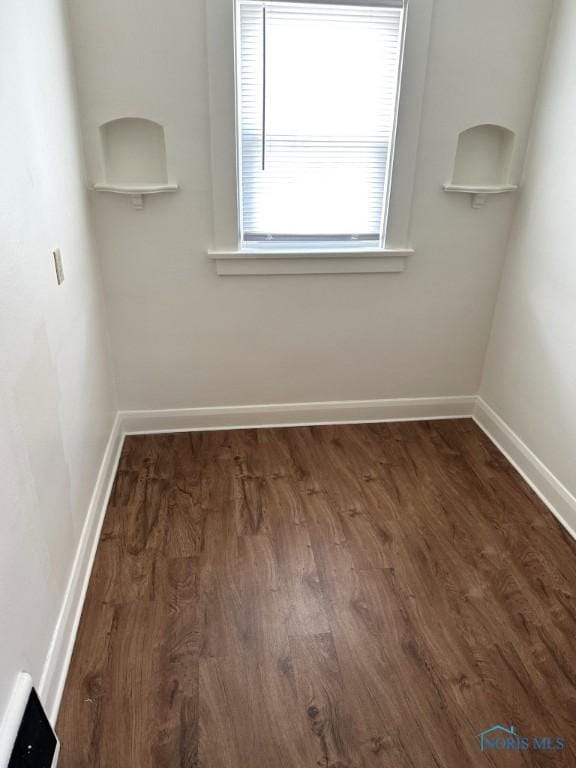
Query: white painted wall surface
(183, 337)
(530, 374)
(56, 401)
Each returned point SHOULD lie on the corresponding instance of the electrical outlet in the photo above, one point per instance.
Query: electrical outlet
(58, 266)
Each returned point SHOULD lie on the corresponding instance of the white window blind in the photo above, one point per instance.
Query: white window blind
(317, 90)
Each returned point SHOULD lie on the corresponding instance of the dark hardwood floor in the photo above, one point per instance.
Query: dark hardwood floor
(327, 597)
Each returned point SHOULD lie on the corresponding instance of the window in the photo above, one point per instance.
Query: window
(317, 87)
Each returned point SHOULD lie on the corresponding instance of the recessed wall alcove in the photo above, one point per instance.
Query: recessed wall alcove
(134, 155)
(483, 162)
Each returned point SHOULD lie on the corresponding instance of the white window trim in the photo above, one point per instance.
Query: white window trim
(225, 250)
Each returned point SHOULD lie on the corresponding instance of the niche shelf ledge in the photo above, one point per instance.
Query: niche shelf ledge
(480, 192)
(136, 191)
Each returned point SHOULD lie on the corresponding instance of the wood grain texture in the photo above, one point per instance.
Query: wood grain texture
(327, 597)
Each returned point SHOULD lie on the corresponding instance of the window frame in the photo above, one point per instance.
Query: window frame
(226, 249)
(315, 241)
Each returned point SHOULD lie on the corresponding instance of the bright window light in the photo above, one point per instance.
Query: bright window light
(317, 87)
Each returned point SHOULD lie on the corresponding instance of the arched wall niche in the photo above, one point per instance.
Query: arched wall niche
(483, 162)
(484, 156)
(134, 159)
(134, 151)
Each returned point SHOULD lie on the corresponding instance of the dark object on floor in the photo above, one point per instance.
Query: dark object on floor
(36, 744)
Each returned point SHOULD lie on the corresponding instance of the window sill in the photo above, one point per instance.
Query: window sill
(337, 262)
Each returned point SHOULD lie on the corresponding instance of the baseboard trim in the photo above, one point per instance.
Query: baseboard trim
(295, 414)
(58, 659)
(543, 482)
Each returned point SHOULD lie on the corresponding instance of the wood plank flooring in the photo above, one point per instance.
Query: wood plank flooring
(327, 597)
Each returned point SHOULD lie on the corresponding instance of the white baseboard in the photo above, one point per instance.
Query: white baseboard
(295, 414)
(545, 484)
(58, 660)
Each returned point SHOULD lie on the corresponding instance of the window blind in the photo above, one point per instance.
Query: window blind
(317, 91)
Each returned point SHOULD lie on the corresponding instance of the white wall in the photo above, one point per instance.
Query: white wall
(56, 402)
(183, 337)
(530, 375)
